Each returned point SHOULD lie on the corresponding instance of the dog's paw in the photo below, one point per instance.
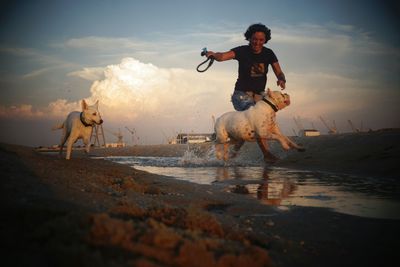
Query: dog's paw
(301, 149)
(271, 159)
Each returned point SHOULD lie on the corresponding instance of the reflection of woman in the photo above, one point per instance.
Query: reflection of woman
(253, 60)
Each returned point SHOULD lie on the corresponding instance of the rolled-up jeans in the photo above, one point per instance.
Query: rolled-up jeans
(243, 100)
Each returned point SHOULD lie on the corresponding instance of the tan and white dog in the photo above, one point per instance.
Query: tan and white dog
(258, 123)
(79, 125)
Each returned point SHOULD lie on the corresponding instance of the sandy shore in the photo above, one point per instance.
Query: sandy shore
(92, 212)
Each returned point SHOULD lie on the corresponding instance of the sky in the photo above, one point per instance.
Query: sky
(139, 58)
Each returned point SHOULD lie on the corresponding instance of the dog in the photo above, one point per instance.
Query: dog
(258, 123)
(79, 125)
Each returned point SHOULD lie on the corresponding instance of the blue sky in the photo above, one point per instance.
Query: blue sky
(341, 60)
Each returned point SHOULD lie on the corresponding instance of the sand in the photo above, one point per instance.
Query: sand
(93, 212)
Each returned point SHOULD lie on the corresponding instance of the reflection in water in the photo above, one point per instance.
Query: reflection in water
(369, 197)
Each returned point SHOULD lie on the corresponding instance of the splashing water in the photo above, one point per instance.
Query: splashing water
(282, 187)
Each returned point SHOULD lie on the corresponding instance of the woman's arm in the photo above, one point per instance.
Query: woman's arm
(221, 56)
(279, 75)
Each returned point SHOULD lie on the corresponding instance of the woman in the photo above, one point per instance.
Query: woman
(253, 66)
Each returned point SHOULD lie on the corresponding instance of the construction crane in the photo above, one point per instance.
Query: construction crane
(133, 132)
(298, 123)
(170, 140)
(120, 137)
(97, 138)
(213, 121)
(334, 126)
(331, 130)
(355, 130)
(305, 132)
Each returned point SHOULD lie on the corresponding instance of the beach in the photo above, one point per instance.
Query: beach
(93, 212)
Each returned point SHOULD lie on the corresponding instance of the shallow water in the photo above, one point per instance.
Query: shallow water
(282, 187)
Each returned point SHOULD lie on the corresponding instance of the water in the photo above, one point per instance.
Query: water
(282, 187)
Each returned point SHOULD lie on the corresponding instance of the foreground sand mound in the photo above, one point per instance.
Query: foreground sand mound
(93, 212)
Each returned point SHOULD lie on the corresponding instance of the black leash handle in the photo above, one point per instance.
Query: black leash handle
(211, 59)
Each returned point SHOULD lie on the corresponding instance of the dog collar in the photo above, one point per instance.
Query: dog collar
(83, 121)
(271, 104)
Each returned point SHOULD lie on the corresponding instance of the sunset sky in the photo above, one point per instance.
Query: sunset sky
(138, 58)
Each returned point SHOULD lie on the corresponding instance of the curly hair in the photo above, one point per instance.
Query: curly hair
(258, 28)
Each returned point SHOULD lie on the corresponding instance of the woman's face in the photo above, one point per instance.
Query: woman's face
(257, 42)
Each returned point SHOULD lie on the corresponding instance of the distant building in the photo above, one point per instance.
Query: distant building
(309, 132)
(193, 138)
(119, 144)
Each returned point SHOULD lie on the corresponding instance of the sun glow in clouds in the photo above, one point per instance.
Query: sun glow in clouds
(133, 89)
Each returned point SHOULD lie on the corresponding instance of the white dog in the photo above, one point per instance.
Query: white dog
(79, 125)
(258, 123)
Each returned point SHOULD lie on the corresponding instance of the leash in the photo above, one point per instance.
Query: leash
(210, 59)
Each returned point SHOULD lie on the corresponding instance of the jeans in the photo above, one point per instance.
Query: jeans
(242, 101)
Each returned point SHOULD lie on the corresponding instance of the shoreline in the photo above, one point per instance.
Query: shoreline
(95, 212)
(362, 154)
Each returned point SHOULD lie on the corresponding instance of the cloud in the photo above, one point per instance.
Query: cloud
(24, 110)
(156, 99)
(56, 109)
(90, 74)
(133, 89)
(133, 92)
(106, 43)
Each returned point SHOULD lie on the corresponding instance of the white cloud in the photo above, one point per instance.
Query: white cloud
(142, 94)
(90, 74)
(105, 43)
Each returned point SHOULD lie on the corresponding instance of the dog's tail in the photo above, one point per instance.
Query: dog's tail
(58, 126)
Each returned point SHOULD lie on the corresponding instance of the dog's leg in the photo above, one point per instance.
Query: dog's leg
(218, 151)
(294, 145)
(226, 151)
(71, 140)
(69, 148)
(236, 148)
(86, 141)
(284, 139)
(268, 156)
(63, 140)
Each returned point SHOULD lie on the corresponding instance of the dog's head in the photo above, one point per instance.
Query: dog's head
(91, 113)
(279, 99)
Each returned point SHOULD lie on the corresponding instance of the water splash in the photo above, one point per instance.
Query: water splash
(281, 187)
(193, 158)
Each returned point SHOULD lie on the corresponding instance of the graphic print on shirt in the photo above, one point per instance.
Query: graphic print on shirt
(257, 70)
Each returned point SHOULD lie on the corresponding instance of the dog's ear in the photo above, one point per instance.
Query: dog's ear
(96, 104)
(84, 104)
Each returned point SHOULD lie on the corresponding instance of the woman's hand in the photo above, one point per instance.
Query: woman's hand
(281, 84)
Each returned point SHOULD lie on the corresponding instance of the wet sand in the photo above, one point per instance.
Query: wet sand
(92, 212)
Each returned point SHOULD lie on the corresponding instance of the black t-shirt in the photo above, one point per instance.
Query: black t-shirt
(253, 68)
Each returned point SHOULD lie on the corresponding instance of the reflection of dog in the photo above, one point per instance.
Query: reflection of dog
(258, 123)
(79, 125)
